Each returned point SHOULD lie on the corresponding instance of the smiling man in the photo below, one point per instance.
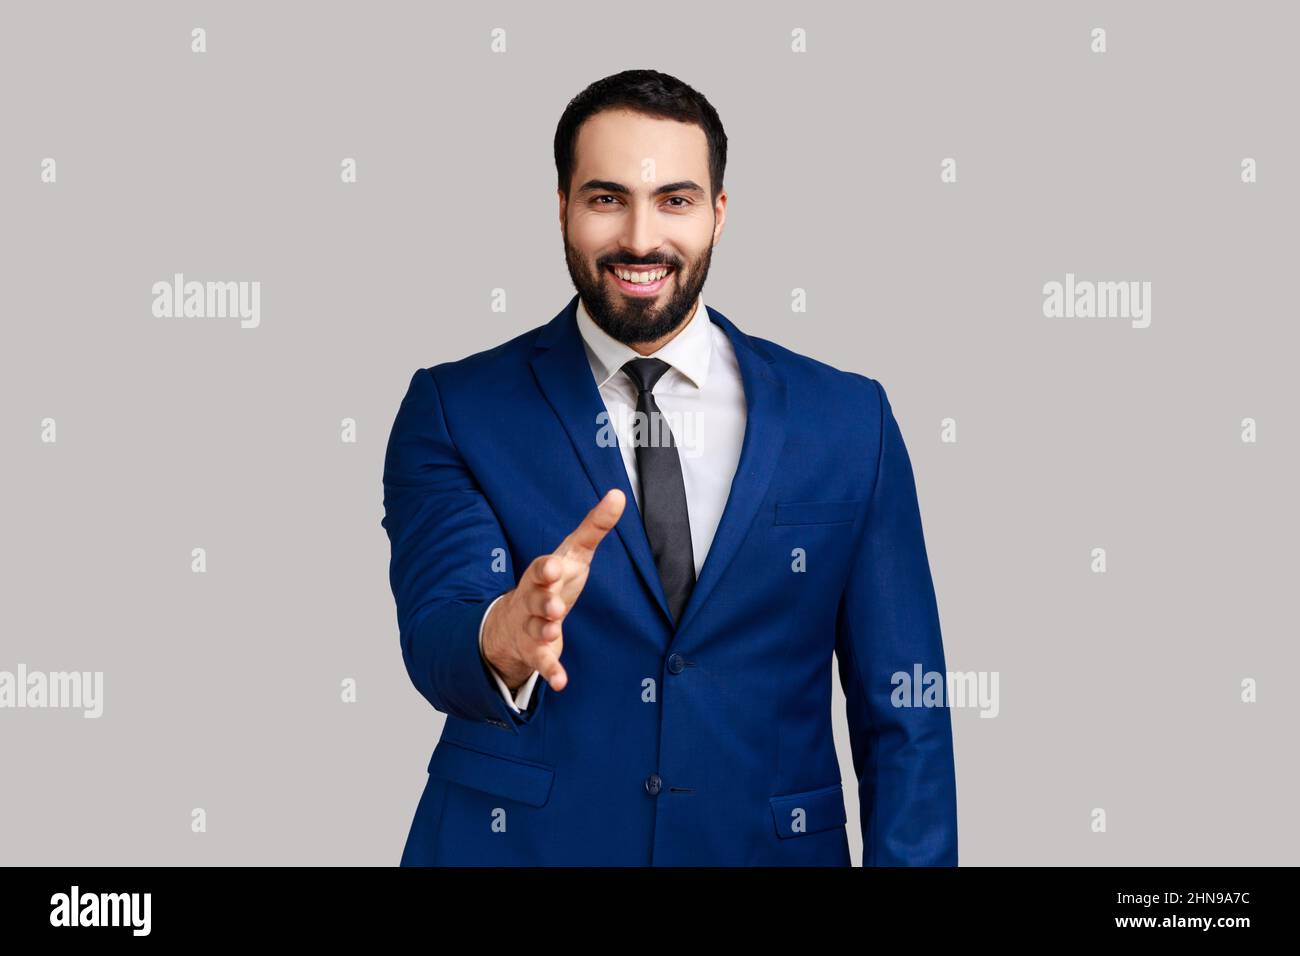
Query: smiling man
(633, 642)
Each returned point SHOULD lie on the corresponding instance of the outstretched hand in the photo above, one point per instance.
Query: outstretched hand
(524, 630)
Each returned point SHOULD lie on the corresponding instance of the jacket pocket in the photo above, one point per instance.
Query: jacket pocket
(527, 783)
(795, 814)
(817, 512)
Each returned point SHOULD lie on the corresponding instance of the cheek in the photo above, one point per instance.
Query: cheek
(594, 233)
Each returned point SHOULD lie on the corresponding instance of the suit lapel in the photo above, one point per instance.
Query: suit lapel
(765, 415)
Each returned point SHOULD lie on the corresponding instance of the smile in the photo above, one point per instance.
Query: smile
(640, 280)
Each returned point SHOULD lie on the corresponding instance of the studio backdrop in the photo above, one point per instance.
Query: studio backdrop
(1062, 237)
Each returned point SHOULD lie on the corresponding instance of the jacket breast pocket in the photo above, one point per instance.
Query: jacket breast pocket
(509, 777)
(817, 512)
(796, 814)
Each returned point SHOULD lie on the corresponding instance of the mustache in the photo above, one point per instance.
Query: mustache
(605, 264)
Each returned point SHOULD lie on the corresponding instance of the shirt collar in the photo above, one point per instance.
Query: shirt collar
(689, 351)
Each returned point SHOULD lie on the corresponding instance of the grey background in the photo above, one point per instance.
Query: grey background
(222, 690)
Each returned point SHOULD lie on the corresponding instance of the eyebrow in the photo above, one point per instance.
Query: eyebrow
(607, 186)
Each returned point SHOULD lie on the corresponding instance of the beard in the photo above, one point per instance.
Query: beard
(629, 319)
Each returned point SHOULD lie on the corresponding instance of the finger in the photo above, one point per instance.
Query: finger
(543, 631)
(552, 671)
(582, 541)
(546, 570)
(545, 603)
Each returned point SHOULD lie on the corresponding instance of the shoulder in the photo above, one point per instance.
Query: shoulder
(821, 382)
(496, 364)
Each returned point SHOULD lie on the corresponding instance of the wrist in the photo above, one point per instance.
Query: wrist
(498, 649)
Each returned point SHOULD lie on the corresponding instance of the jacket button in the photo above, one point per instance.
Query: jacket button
(676, 664)
(653, 784)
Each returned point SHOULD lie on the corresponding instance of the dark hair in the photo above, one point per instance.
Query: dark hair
(642, 91)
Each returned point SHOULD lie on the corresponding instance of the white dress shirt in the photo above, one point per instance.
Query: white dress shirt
(702, 397)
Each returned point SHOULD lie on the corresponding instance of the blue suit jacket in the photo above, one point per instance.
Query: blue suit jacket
(709, 743)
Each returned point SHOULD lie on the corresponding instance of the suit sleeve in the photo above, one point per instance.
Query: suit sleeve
(444, 536)
(888, 625)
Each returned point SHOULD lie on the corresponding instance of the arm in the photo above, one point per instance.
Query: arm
(442, 532)
(888, 622)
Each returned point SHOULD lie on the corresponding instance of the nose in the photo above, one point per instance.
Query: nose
(641, 236)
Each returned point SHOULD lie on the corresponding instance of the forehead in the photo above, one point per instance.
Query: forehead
(614, 144)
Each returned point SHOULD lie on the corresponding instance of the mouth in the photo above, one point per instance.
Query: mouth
(640, 280)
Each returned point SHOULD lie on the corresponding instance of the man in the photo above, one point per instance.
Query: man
(628, 544)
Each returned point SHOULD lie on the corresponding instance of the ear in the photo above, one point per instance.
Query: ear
(719, 215)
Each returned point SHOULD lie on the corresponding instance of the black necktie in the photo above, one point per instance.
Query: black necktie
(663, 493)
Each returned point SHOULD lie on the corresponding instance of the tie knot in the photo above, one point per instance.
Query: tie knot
(645, 372)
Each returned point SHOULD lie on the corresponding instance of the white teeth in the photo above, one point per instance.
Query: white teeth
(640, 278)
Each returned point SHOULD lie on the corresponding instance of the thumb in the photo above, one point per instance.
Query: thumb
(582, 541)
